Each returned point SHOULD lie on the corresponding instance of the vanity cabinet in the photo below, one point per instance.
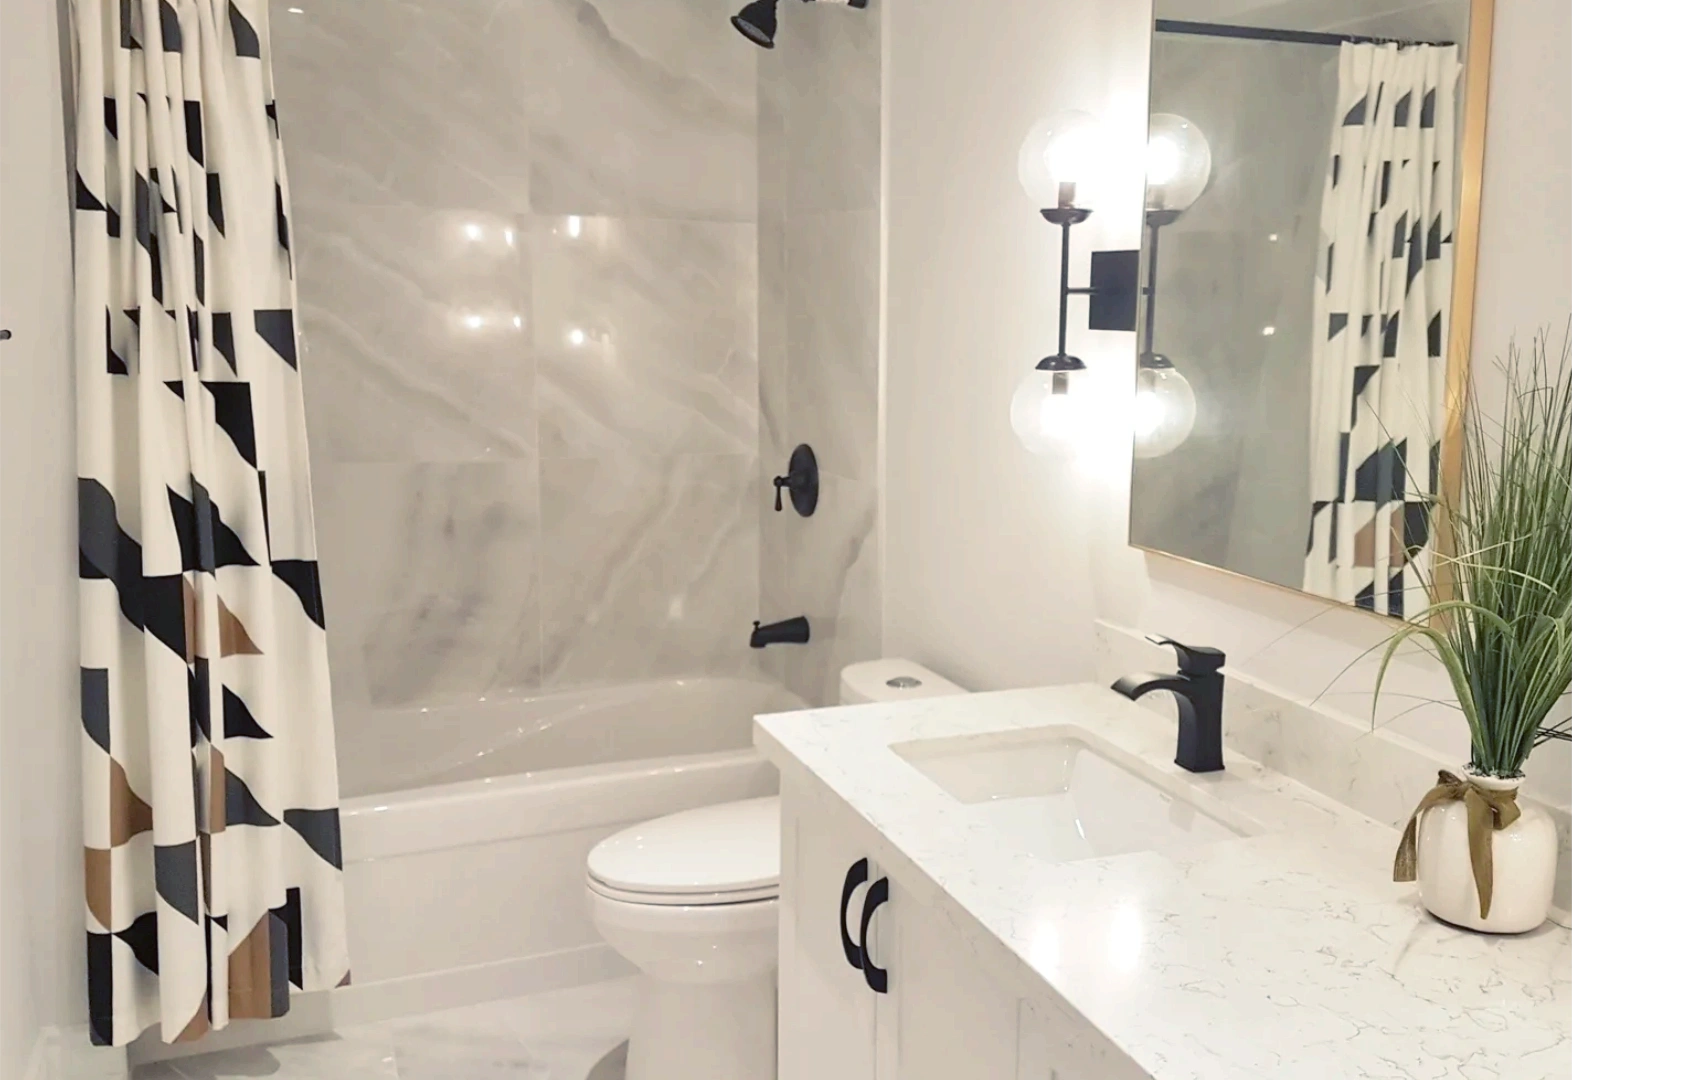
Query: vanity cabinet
(907, 998)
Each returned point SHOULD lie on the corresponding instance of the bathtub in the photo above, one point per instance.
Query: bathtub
(466, 829)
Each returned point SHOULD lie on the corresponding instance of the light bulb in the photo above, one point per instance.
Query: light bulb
(1048, 421)
(1164, 409)
(1164, 163)
(472, 230)
(1069, 148)
(1176, 166)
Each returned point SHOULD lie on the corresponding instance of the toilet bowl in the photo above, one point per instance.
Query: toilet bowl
(691, 900)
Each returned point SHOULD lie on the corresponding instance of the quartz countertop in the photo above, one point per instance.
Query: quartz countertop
(1285, 954)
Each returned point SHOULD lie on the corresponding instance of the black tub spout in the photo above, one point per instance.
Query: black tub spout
(795, 631)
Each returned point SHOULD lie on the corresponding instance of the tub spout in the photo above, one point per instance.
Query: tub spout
(795, 631)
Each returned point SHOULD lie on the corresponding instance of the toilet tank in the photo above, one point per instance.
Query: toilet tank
(892, 679)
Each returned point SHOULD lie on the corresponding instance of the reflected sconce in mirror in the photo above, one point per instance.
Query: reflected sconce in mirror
(1176, 170)
(1060, 164)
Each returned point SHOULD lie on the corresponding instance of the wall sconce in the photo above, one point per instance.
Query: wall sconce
(1176, 170)
(1060, 163)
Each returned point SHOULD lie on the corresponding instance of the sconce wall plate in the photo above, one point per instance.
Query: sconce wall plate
(1114, 290)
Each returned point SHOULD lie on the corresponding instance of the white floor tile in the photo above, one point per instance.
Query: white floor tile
(560, 1035)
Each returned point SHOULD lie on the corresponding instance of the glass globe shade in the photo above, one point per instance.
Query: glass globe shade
(1067, 148)
(1164, 408)
(1047, 423)
(1176, 163)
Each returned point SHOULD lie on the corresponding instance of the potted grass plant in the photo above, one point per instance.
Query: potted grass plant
(1501, 628)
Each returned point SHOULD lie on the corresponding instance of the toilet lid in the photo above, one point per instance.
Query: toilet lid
(729, 848)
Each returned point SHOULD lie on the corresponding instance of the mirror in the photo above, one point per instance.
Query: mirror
(1312, 205)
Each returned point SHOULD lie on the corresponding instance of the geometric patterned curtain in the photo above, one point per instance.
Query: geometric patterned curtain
(1382, 307)
(212, 858)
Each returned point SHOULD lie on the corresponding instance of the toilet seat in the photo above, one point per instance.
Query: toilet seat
(656, 899)
(711, 856)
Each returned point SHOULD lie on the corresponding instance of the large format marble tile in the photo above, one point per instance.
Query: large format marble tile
(832, 576)
(644, 331)
(556, 1035)
(360, 1053)
(772, 238)
(413, 102)
(649, 567)
(431, 578)
(832, 56)
(639, 107)
(414, 334)
(473, 1043)
(833, 340)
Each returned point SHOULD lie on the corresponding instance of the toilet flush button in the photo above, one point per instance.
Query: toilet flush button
(903, 682)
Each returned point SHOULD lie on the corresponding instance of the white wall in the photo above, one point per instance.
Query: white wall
(987, 573)
(986, 568)
(1524, 278)
(41, 903)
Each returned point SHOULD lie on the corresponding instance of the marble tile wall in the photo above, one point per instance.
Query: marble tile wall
(818, 253)
(529, 291)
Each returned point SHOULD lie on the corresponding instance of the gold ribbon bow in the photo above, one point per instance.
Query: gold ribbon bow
(1489, 811)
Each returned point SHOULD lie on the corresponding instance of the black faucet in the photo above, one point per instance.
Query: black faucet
(1198, 689)
(795, 631)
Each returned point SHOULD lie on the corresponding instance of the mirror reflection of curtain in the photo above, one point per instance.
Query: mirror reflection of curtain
(1378, 363)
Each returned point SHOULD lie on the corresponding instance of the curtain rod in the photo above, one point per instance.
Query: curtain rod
(1295, 37)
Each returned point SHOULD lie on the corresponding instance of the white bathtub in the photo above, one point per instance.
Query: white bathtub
(467, 884)
(466, 832)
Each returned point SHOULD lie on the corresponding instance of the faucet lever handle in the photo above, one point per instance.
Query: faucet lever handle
(1193, 659)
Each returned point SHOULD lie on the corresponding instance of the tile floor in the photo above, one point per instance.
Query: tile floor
(562, 1035)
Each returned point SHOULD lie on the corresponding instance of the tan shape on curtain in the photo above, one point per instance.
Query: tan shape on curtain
(1396, 554)
(98, 884)
(234, 639)
(200, 1024)
(192, 607)
(216, 792)
(250, 967)
(1363, 546)
(127, 814)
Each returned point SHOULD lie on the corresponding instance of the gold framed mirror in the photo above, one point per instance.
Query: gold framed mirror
(1313, 206)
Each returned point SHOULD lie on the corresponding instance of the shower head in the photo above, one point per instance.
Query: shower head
(757, 23)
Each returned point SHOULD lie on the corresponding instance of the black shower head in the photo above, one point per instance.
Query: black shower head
(757, 23)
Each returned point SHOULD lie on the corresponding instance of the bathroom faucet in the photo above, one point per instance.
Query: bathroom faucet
(1197, 688)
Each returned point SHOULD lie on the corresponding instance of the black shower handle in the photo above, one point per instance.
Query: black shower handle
(875, 897)
(857, 873)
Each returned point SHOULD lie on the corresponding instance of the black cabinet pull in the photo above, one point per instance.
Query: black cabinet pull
(857, 874)
(875, 977)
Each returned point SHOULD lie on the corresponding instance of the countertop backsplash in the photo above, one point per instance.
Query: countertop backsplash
(1375, 772)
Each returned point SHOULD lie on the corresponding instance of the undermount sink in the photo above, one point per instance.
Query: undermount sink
(1061, 794)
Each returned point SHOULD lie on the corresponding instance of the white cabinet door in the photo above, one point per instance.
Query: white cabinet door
(826, 1011)
(949, 1020)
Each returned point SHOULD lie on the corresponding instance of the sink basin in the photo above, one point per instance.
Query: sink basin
(1061, 794)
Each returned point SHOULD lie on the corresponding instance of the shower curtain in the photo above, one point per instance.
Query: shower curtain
(212, 861)
(1378, 363)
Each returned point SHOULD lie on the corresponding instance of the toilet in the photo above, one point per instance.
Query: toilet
(691, 900)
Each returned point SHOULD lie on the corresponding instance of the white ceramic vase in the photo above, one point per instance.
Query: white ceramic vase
(1526, 860)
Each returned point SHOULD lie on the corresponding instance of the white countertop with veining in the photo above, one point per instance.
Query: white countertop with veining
(1287, 954)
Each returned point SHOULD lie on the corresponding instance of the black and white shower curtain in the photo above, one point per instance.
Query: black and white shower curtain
(1383, 291)
(212, 857)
